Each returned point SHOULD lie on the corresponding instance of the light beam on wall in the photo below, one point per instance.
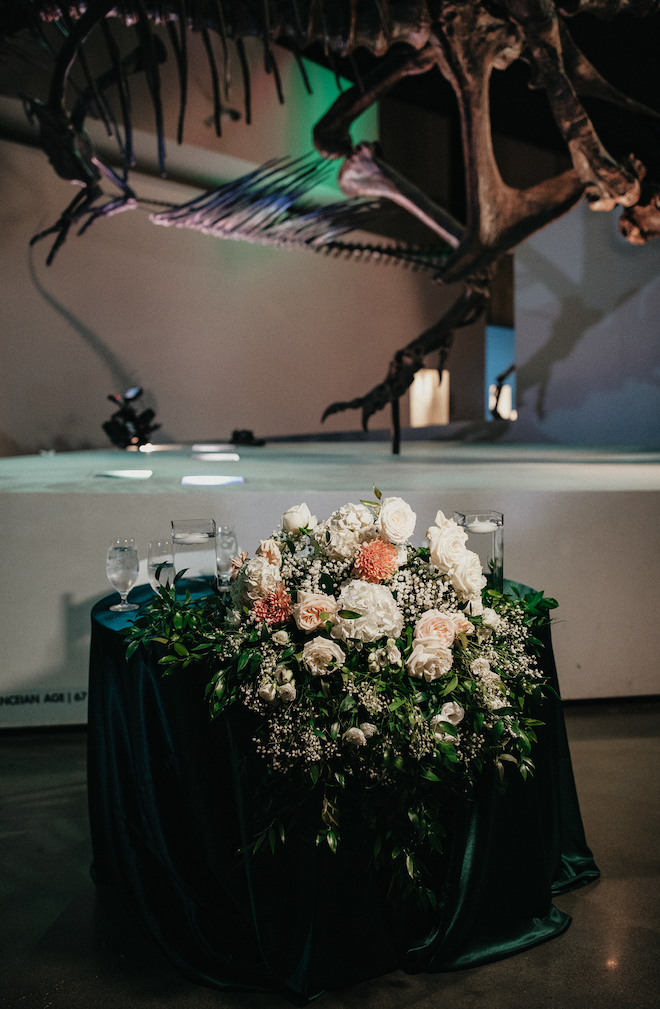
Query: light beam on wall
(429, 398)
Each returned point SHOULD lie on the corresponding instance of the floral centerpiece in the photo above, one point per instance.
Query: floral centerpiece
(374, 676)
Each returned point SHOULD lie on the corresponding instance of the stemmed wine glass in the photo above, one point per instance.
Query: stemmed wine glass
(160, 556)
(123, 568)
(226, 547)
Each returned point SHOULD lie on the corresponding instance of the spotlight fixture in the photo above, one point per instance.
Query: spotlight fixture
(127, 428)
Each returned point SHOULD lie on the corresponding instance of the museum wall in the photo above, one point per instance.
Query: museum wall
(587, 315)
(222, 335)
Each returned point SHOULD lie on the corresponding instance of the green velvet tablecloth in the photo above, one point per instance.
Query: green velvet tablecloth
(171, 805)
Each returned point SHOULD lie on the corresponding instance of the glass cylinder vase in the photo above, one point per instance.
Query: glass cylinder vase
(486, 538)
(194, 548)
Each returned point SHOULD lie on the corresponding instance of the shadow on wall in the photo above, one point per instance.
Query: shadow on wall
(587, 327)
(120, 377)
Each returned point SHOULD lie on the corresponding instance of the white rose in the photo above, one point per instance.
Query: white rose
(345, 531)
(368, 730)
(268, 692)
(393, 653)
(467, 576)
(319, 653)
(287, 693)
(490, 618)
(296, 518)
(396, 520)
(475, 607)
(439, 733)
(282, 674)
(452, 712)
(271, 551)
(446, 544)
(280, 637)
(429, 659)
(355, 736)
(309, 607)
(380, 616)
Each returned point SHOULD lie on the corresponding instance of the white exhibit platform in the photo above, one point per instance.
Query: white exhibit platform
(582, 525)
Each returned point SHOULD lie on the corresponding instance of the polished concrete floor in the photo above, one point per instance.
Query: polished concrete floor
(61, 949)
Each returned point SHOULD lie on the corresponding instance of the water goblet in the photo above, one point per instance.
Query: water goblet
(226, 548)
(122, 568)
(160, 564)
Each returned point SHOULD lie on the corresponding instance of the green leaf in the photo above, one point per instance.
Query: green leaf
(430, 775)
(179, 575)
(347, 704)
(243, 660)
(177, 620)
(132, 648)
(272, 839)
(181, 649)
(331, 838)
(396, 704)
(453, 683)
(378, 843)
(314, 773)
(349, 614)
(377, 493)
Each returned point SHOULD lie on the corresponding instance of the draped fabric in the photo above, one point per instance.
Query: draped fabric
(172, 804)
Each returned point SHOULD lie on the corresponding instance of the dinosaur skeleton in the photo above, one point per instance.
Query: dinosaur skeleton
(465, 39)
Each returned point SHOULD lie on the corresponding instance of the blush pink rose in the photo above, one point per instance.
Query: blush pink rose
(436, 624)
(461, 624)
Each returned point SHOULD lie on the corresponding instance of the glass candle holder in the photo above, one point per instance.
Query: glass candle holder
(485, 537)
(193, 541)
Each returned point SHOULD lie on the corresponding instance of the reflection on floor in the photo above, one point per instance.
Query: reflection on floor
(61, 949)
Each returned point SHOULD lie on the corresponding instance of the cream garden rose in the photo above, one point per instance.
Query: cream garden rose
(379, 614)
(396, 520)
(320, 653)
(436, 624)
(309, 607)
(296, 518)
(429, 660)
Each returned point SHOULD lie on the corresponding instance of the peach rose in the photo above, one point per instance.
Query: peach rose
(309, 607)
(271, 551)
